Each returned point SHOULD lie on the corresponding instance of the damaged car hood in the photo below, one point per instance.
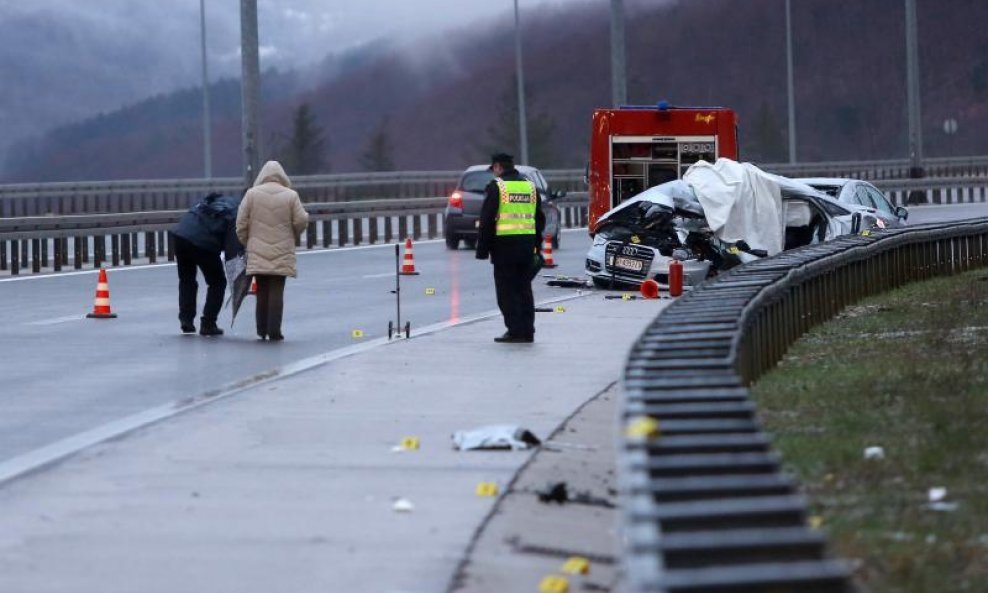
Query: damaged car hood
(673, 198)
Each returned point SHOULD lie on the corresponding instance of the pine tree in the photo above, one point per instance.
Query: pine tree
(379, 155)
(305, 152)
(502, 134)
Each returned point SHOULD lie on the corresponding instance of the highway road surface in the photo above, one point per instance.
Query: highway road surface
(63, 374)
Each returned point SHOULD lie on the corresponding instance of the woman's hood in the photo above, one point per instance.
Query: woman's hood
(272, 171)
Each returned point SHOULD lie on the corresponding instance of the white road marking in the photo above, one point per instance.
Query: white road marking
(57, 320)
(53, 453)
(379, 275)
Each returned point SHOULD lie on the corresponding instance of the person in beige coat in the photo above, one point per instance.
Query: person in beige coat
(270, 219)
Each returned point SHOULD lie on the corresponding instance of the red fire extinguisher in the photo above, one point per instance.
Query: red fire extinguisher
(675, 278)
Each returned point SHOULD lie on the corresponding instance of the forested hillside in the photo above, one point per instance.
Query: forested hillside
(449, 101)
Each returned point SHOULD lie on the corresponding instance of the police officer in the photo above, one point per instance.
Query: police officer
(511, 222)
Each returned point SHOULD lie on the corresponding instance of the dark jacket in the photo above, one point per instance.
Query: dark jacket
(210, 225)
(511, 249)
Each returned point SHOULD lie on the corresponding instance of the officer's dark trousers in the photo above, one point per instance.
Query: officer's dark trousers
(270, 305)
(514, 297)
(190, 258)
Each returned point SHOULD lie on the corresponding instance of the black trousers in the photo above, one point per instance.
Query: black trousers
(190, 258)
(514, 297)
(270, 304)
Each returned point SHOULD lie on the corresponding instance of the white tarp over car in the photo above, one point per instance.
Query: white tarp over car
(741, 203)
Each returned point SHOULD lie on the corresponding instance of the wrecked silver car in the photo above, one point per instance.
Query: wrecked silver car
(715, 218)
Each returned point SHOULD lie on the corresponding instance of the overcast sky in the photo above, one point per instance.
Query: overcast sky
(293, 32)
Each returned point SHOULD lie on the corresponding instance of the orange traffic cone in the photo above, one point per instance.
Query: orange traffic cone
(547, 252)
(253, 285)
(408, 262)
(650, 289)
(101, 304)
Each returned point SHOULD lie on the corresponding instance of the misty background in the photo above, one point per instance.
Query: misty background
(65, 60)
(109, 89)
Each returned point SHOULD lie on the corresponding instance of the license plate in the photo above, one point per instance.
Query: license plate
(626, 263)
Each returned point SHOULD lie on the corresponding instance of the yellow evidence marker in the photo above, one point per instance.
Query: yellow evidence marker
(560, 309)
(357, 333)
(576, 565)
(554, 584)
(626, 297)
(642, 427)
(487, 489)
(430, 292)
(410, 443)
(816, 522)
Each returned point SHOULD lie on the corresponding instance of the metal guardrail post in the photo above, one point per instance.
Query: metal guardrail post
(150, 250)
(115, 249)
(416, 227)
(125, 248)
(327, 233)
(402, 227)
(343, 228)
(15, 259)
(310, 235)
(35, 255)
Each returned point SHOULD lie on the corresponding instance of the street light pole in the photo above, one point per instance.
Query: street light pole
(791, 93)
(207, 149)
(249, 83)
(912, 84)
(619, 81)
(522, 118)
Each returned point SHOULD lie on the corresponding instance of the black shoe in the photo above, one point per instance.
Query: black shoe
(276, 337)
(188, 328)
(509, 338)
(210, 330)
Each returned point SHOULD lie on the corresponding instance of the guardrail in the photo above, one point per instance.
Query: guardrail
(39, 199)
(706, 504)
(884, 169)
(41, 243)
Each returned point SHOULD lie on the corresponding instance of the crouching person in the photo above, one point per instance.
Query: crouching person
(206, 230)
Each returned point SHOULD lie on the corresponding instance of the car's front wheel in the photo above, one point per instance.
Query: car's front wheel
(452, 242)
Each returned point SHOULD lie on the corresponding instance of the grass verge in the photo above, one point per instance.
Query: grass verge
(906, 371)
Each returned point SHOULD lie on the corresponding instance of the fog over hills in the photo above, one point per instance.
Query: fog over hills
(442, 95)
(66, 60)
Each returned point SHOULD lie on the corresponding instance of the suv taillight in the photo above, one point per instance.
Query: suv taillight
(456, 200)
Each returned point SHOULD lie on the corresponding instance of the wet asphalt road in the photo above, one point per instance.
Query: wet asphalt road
(62, 374)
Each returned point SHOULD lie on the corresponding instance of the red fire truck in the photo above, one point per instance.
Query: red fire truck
(635, 148)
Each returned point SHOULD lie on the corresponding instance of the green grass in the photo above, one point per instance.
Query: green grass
(906, 371)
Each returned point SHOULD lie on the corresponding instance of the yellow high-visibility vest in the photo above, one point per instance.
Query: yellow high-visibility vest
(516, 208)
